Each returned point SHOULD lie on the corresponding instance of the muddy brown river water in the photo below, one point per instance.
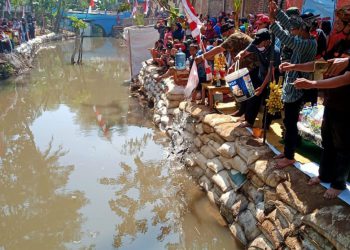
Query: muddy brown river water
(82, 167)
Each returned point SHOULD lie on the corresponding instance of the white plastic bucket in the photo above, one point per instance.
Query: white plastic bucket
(240, 84)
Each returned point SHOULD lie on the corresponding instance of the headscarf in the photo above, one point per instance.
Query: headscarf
(179, 33)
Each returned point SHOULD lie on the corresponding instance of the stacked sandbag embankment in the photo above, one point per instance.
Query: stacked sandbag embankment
(265, 208)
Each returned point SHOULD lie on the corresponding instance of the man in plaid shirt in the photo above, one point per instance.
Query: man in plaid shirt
(304, 50)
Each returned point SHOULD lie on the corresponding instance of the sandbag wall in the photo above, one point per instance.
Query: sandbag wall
(265, 208)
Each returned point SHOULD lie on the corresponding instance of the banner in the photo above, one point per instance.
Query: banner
(325, 8)
(342, 3)
(139, 40)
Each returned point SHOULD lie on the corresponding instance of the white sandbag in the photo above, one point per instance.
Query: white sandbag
(253, 193)
(174, 89)
(196, 172)
(237, 179)
(189, 127)
(240, 205)
(174, 97)
(201, 160)
(228, 198)
(171, 111)
(164, 120)
(215, 165)
(257, 211)
(207, 128)
(249, 225)
(333, 223)
(222, 180)
(209, 173)
(170, 104)
(197, 142)
(162, 111)
(215, 137)
(238, 233)
(156, 118)
(235, 163)
(205, 183)
(213, 196)
(204, 138)
(227, 150)
(214, 146)
(260, 243)
(189, 160)
(199, 128)
(207, 152)
(250, 150)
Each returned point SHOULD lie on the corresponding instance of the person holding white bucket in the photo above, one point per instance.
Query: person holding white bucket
(262, 47)
(304, 50)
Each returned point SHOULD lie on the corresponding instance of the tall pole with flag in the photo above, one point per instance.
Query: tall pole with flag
(91, 5)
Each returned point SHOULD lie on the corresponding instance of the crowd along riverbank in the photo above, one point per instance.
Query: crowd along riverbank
(265, 208)
(20, 59)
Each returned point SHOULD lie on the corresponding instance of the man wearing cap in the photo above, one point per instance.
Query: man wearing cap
(304, 50)
(235, 43)
(262, 47)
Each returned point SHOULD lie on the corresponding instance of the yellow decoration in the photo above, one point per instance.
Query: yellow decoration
(274, 102)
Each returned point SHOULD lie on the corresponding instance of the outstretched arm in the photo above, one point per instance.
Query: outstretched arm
(331, 83)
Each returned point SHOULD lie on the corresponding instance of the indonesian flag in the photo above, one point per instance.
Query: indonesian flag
(193, 20)
(193, 81)
(8, 6)
(91, 5)
(134, 10)
(146, 6)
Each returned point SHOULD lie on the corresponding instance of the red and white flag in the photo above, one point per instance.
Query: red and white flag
(8, 6)
(134, 9)
(146, 7)
(91, 5)
(193, 81)
(194, 22)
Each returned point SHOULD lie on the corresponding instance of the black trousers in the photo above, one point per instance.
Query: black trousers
(335, 161)
(291, 117)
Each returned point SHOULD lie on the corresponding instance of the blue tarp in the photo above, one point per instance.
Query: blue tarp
(325, 8)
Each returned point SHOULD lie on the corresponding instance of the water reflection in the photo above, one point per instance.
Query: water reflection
(83, 168)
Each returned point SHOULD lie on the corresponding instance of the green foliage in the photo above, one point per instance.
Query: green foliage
(78, 23)
(6, 70)
(124, 7)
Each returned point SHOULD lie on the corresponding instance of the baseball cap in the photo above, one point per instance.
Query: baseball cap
(293, 11)
(226, 27)
(261, 35)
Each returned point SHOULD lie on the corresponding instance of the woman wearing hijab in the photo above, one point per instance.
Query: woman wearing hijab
(178, 33)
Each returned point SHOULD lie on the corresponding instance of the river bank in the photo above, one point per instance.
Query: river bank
(20, 60)
(265, 208)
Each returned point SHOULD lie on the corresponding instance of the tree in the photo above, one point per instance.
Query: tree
(79, 27)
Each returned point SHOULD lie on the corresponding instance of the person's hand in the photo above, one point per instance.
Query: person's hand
(198, 59)
(286, 66)
(231, 69)
(237, 57)
(302, 83)
(338, 66)
(259, 91)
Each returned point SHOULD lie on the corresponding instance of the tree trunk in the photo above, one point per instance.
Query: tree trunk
(58, 17)
(80, 57)
(76, 46)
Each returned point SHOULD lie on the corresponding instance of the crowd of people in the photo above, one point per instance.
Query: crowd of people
(272, 45)
(15, 31)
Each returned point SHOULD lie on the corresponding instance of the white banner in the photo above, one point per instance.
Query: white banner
(139, 40)
(325, 8)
